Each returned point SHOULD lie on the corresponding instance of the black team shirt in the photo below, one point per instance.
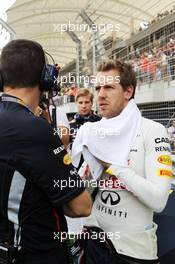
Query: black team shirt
(33, 164)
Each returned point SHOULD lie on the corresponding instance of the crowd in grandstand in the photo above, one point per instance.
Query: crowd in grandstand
(152, 63)
(156, 62)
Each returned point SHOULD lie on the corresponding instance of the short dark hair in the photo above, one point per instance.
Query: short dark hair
(21, 63)
(127, 74)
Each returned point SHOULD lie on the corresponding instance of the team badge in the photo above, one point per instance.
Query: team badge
(166, 173)
(165, 159)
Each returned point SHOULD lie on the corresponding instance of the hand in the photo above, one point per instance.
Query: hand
(118, 169)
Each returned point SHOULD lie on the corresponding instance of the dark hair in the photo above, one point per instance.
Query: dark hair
(21, 64)
(127, 74)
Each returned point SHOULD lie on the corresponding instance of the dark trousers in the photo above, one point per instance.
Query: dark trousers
(168, 258)
(49, 257)
(99, 253)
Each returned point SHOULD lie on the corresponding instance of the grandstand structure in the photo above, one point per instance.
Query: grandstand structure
(152, 54)
(6, 33)
(77, 35)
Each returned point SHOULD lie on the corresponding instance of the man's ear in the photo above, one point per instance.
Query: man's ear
(129, 92)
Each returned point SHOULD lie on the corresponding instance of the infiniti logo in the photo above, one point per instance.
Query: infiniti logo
(110, 197)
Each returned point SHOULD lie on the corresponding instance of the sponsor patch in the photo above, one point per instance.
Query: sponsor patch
(133, 150)
(162, 148)
(162, 140)
(166, 173)
(165, 159)
(58, 150)
(67, 160)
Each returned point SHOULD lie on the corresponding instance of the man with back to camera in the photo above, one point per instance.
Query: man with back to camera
(84, 102)
(33, 163)
(138, 181)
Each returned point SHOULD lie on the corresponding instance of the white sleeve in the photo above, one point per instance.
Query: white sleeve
(62, 119)
(169, 130)
(152, 189)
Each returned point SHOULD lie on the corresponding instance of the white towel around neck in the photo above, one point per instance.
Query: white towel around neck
(108, 140)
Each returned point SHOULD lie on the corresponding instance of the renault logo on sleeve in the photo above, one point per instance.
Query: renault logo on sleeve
(110, 197)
